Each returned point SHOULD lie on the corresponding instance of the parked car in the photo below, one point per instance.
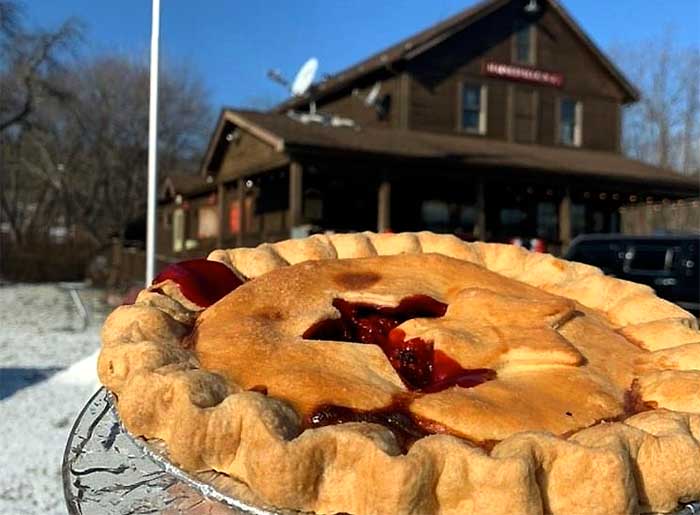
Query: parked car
(667, 263)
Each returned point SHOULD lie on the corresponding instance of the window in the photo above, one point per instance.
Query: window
(313, 205)
(647, 258)
(234, 217)
(435, 214)
(547, 221)
(446, 216)
(524, 43)
(578, 219)
(570, 114)
(474, 108)
(208, 223)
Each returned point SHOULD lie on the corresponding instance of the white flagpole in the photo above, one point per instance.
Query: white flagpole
(152, 145)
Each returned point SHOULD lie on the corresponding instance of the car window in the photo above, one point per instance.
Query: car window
(648, 258)
(605, 255)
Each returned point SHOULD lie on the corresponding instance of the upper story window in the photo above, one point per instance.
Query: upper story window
(570, 118)
(474, 108)
(524, 43)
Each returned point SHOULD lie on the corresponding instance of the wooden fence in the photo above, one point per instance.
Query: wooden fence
(661, 217)
(43, 260)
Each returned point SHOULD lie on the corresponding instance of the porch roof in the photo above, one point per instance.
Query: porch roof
(288, 135)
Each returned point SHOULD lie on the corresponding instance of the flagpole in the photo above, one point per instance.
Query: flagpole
(152, 145)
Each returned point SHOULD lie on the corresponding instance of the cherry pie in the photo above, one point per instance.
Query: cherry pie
(413, 373)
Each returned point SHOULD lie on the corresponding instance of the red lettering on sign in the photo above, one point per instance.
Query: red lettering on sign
(523, 73)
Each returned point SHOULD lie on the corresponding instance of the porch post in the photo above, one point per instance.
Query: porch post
(241, 212)
(296, 177)
(384, 206)
(221, 208)
(565, 221)
(480, 222)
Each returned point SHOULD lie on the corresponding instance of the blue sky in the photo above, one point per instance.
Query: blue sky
(232, 43)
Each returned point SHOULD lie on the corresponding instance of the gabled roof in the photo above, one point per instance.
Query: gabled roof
(422, 41)
(186, 185)
(285, 134)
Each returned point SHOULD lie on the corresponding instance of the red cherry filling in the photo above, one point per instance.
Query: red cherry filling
(201, 281)
(396, 418)
(420, 366)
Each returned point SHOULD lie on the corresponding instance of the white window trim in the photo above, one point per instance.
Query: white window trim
(578, 123)
(578, 127)
(483, 108)
(178, 229)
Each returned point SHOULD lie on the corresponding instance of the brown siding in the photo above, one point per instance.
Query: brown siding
(437, 75)
(248, 154)
(560, 50)
(354, 108)
(497, 126)
(547, 112)
(600, 130)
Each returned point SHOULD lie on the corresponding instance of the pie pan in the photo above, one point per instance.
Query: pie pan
(612, 372)
(107, 470)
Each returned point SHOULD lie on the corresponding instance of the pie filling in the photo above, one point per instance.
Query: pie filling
(406, 427)
(421, 367)
(201, 281)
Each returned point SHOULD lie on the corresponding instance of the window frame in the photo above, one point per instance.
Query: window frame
(483, 107)
(577, 140)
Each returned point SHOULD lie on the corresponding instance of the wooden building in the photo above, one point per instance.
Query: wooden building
(503, 121)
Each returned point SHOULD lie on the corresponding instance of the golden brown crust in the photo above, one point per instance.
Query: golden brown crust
(648, 462)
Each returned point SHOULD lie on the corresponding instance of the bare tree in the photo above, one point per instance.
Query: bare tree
(85, 161)
(28, 61)
(662, 128)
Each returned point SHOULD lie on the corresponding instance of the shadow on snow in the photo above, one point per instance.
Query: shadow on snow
(13, 379)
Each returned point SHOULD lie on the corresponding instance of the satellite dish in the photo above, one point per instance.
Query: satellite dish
(304, 77)
(371, 97)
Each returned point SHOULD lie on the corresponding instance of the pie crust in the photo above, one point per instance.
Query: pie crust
(594, 408)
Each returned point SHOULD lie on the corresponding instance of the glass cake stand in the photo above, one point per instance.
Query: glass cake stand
(108, 471)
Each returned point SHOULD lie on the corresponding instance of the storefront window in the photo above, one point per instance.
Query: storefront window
(467, 217)
(313, 205)
(547, 221)
(435, 214)
(578, 219)
(452, 217)
(208, 223)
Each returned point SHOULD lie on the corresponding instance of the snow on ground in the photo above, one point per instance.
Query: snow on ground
(46, 376)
